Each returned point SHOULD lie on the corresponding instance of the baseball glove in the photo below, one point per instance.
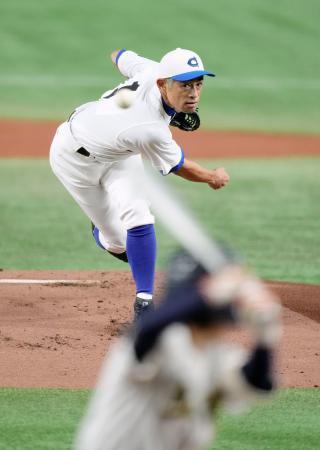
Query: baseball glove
(185, 121)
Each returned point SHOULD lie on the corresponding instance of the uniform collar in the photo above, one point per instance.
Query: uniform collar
(170, 111)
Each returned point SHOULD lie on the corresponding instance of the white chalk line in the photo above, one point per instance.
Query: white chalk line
(51, 282)
(106, 82)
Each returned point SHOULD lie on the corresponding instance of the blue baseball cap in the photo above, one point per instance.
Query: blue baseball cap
(182, 65)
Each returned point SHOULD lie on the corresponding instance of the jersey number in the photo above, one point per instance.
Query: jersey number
(132, 87)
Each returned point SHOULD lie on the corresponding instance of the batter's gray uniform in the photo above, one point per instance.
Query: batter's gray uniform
(159, 387)
(166, 401)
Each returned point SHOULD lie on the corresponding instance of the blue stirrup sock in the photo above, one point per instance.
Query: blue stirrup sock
(141, 251)
(95, 234)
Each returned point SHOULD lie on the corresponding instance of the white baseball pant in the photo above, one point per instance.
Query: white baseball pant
(102, 189)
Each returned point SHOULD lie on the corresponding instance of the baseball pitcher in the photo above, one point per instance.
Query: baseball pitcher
(103, 141)
(159, 389)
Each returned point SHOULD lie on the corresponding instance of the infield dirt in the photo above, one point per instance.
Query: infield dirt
(20, 139)
(57, 336)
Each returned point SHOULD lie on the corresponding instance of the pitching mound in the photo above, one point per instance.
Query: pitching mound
(56, 335)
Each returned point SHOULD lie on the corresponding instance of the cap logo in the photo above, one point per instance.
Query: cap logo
(193, 62)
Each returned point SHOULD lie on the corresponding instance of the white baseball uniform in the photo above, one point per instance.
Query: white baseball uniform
(116, 140)
(164, 402)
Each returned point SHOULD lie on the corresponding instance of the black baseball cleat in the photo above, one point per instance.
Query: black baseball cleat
(95, 233)
(141, 307)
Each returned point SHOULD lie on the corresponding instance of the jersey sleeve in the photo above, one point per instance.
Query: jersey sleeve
(130, 63)
(156, 145)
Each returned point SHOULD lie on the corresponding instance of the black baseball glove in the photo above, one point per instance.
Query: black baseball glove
(186, 121)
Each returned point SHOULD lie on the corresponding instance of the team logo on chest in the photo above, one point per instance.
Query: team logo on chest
(193, 62)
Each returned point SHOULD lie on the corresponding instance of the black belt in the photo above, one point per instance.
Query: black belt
(83, 152)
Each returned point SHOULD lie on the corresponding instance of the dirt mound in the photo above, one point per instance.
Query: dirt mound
(57, 335)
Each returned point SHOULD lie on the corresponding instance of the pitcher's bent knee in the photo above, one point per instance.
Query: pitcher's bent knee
(137, 214)
(116, 246)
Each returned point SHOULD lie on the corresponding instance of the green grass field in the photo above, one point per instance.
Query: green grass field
(265, 56)
(269, 213)
(53, 56)
(38, 419)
